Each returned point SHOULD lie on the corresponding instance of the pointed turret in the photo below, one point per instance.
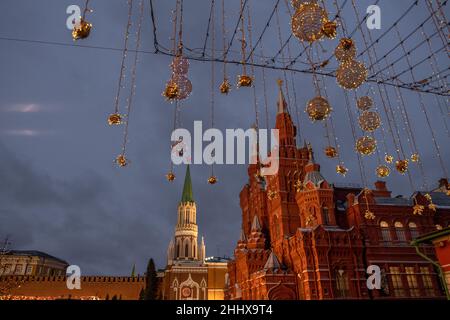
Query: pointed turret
(187, 188)
(281, 103)
(272, 262)
(284, 122)
(256, 226)
(242, 238)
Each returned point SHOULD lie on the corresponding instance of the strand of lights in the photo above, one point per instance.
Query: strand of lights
(250, 41)
(225, 87)
(436, 22)
(213, 179)
(244, 80)
(121, 159)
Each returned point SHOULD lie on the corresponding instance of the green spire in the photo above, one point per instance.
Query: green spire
(187, 189)
(133, 271)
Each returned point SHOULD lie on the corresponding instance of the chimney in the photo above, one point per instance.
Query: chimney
(443, 182)
(381, 190)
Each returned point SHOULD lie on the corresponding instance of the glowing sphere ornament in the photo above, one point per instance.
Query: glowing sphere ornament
(383, 171)
(401, 166)
(369, 121)
(307, 22)
(244, 81)
(183, 84)
(114, 119)
(225, 87)
(388, 158)
(341, 169)
(171, 91)
(212, 180)
(180, 65)
(170, 176)
(364, 103)
(329, 29)
(351, 74)
(297, 3)
(82, 30)
(318, 108)
(346, 50)
(366, 145)
(415, 157)
(121, 160)
(331, 152)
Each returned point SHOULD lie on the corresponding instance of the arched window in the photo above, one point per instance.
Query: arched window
(342, 285)
(400, 231)
(186, 251)
(413, 230)
(178, 250)
(385, 232)
(325, 216)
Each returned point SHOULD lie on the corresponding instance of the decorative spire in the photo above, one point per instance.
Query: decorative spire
(256, 226)
(133, 271)
(272, 262)
(187, 189)
(242, 238)
(282, 105)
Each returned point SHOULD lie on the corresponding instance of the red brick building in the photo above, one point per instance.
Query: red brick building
(305, 238)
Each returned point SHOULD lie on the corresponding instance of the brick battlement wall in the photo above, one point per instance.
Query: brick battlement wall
(125, 288)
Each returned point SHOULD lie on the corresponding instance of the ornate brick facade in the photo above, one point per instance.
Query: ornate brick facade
(305, 238)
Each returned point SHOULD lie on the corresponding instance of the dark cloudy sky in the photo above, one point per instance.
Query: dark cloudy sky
(60, 191)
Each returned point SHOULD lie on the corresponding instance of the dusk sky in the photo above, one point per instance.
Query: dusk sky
(62, 193)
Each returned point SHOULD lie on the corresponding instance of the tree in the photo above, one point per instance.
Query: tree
(142, 294)
(151, 282)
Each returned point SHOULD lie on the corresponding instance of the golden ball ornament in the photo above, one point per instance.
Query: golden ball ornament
(401, 166)
(383, 171)
(346, 50)
(225, 87)
(318, 108)
(415, 157)
(364, 103)
(212, 180)
(369, 121)
(184, 86)
(341, 169)
(329, 29)
(331, 152)
(366, 145)
(418, 209)
(121, 160)
(171, 91)
(307, 22)
(351, 74)
(170, 176)
(114, 119)
(388, 158)
(180, 65)
(82, 30)
(297, 3)
(244, 81)
(369, 215)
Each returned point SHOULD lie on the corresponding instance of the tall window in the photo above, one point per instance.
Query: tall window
(326, 220)
(341, 284)
(411, 277)
(427, 281)
(385, 232)
(413, 230)
(397, 283)
(400, 231)
(186, 251)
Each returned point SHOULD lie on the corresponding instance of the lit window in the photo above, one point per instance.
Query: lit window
(29, 269)
(412, 282)
(397, 283)
(413, 229)
(427, 281)
(385, 232)
(400, 231)
(18, 269)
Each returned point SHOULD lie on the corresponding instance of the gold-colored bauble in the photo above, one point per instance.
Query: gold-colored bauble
(212, 180)
(171, 91)
(415, 157)
(121, 160)
(418, 209)
(297, 3)
(180, 65)
(225, 86)
(329, 29)
(170, 176)
(369, 121)
(331, 152)
(351, 74)
(369, 215)
(341, 169)
(388, 158)
(318, 108)
(271, 195)
(366, 145)
(383, 171)
(346, 50)
(115, 119)
(401, 166)
(81, 31)
(244, 81)
(364, 103)
(307, 22)
(184, 86)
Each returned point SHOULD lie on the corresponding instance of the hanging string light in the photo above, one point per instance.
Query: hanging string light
(346, 50)
(213, 179)
(364, 103)
(369, 215)
(121, 159)
(82, 29)
(417, 208)
(369, 121)
(225, 86)
(116, 118)
(244, 80)
(351, 74)
(307, 22)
